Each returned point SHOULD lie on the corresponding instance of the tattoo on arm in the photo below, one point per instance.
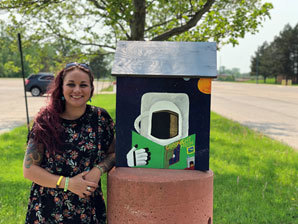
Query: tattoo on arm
(108, 162)
(34, 154)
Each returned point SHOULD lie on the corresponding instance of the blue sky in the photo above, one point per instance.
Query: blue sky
(284, 12)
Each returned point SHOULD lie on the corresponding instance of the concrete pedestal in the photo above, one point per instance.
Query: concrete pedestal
(145, 196)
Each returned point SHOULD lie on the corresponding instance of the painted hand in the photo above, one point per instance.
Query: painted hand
(138, 157)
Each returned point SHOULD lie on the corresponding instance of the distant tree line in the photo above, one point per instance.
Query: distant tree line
(278, 58)
(234, 74)
(45, 56)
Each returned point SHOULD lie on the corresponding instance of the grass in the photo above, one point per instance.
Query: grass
(14, 188)
(108, 89)
(255, 178)
(261, 81)
(268, 81)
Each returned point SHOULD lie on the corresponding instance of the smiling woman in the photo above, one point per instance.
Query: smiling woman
(70, 146)
(77, 90)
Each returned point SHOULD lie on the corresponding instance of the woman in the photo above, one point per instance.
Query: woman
(70, 146)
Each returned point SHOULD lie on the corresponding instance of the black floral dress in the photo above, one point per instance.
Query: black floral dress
(87, 141)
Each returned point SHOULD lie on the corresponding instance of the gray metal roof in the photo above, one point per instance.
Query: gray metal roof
(166, 59)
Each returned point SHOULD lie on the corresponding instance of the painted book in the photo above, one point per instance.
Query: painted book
(176, 155)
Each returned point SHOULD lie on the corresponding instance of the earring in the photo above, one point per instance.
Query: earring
(90, 100)
(62, 98)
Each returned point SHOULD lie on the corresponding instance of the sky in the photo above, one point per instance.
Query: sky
(284, 12)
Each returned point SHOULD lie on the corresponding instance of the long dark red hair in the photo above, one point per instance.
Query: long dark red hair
(47, 128)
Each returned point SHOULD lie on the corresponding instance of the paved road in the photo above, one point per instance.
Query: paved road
(270, 109)
(12, 103)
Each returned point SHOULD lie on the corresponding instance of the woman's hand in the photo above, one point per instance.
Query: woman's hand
(82, 186)
(93, 175)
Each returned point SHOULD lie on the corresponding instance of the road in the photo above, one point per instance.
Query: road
(270, 109)
(12, 103)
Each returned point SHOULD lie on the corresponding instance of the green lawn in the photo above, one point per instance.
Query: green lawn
(108, 89)
(268, 81)
(255, 178)
(261, 81)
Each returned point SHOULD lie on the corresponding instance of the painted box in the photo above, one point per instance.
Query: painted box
(163, 103)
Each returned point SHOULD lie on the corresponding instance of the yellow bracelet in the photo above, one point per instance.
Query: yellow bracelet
(59, 181)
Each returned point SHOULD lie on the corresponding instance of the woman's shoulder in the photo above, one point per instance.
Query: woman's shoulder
(101, 111)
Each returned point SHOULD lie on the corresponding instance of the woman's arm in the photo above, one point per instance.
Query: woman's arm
(110, 160)
(106, 164)
(33, 171)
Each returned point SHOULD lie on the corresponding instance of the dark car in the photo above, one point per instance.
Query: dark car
(38, 84)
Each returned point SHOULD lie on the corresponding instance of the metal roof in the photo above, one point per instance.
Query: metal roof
(166, 59)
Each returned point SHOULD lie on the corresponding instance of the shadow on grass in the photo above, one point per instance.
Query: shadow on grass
(270, 128)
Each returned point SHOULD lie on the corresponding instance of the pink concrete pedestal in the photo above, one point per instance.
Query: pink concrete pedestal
(145, 196)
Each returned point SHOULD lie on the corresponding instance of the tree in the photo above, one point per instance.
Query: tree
(261, 64)
(9, 59)
(100, 65)
(225, 74)
(280, 57)
(38, 57)
(287, 45)
(96, 24)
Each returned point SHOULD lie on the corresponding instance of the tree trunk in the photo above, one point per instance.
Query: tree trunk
(137, 25)
(191, 23)
(275, 79)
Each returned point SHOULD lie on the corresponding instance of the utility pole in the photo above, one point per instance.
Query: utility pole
(23, 73)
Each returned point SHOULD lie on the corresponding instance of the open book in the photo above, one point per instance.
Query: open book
(177, 155)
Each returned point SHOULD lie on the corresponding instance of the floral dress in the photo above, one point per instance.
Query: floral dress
(87, 141)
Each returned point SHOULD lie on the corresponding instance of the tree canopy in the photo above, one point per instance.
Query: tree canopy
(101, 23)
(56, 31)
(280, 57)
(46, 57)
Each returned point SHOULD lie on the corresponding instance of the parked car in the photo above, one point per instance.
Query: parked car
(38, 83)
